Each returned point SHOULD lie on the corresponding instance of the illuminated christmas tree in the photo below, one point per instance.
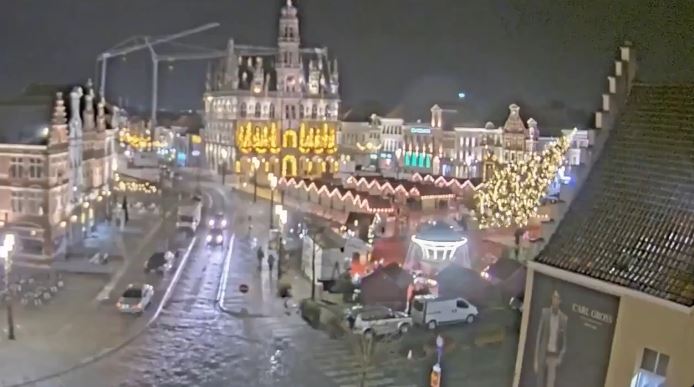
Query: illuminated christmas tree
(511, 196)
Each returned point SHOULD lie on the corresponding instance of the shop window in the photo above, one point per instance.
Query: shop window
(652, 371)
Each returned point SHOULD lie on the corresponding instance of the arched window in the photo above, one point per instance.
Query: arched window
(242, 110)
(257, 110)
(271, 113)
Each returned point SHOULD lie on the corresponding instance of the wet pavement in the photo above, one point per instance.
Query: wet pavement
(193, 343)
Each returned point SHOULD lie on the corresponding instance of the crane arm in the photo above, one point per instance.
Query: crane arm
(191, 56)
(148, 42)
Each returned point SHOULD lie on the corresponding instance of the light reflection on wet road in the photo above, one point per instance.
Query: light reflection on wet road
(194, 344)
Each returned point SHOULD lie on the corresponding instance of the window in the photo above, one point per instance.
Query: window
(314, 111)
(17, 201)
(652, 371)
(35, 168)
(293, 112)
(242, 110)
(16, 167)
(418, 305)
(301, 111)
(461, 304)
(286, 112)
(257, 110)
(272, 111)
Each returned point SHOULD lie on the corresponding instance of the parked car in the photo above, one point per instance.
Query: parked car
(217, 221)
(516, 303)
(135, 299)
(433, 311)
(215, 238)
(160, 262)
(381, 321)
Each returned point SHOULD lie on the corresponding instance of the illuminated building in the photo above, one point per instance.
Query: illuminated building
(277, 105)
(56, 160)
(448, 149)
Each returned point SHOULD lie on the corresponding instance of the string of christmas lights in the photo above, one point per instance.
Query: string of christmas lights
(512, 195)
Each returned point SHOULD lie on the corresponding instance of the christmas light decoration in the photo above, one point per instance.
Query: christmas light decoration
(511, 196)
(317, 140)
(259, 139)
(137, 141)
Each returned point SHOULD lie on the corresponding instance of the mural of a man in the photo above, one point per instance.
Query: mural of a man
(551, 343)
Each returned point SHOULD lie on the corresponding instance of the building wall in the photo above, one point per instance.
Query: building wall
(647, 325)
(641, 322)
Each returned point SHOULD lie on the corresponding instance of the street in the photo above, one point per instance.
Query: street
(250, 340)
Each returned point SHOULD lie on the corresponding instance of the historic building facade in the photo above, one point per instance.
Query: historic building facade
(442, 147)
(273, 109)
(55, 168)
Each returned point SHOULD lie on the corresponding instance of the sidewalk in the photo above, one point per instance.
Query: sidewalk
(74, 325)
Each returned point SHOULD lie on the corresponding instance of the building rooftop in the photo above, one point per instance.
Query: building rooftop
(632, 223)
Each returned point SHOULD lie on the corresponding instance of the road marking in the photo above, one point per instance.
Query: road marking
(222, 289)
(105, 293)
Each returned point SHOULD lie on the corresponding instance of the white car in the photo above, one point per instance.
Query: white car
(433, 311)
(381, 321)
(135, 299)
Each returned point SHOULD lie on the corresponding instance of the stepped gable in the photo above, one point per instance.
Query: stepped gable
(632, 223)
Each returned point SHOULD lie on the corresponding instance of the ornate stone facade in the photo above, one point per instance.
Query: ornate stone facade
(274, 108)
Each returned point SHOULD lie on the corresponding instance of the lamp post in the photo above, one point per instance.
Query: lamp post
(6, 255)
(272, 179)
(256, 165)
(225, 154)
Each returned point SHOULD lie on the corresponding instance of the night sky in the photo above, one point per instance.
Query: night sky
(551, 57)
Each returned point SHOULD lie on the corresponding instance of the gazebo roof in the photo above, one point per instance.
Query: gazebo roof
(439, 232)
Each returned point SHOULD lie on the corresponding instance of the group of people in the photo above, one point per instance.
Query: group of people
(261, 255)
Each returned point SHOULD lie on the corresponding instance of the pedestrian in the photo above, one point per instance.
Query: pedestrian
(260, 256)
(270, 261)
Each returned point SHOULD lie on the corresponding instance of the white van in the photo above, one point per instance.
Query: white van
(432, 311)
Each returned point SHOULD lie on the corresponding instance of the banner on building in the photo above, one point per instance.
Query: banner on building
(569, 337)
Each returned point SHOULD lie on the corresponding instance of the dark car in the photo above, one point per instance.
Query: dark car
(215, 237)
(159, 262)
(217, 221)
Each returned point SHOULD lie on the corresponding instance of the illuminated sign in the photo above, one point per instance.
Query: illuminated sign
(420, 131)
(195, 139)
(385, 155)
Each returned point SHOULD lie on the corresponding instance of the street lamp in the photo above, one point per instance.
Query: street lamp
(224, 153)
(272, 179)
(6, 256)
(256, 165)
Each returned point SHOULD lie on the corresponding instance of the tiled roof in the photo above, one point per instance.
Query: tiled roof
(632, 223)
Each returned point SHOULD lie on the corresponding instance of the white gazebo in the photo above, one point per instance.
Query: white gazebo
(436, 245)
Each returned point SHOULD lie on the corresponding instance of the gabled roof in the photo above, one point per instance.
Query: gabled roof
(514, 123)
(632, 223)
(392, 273)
